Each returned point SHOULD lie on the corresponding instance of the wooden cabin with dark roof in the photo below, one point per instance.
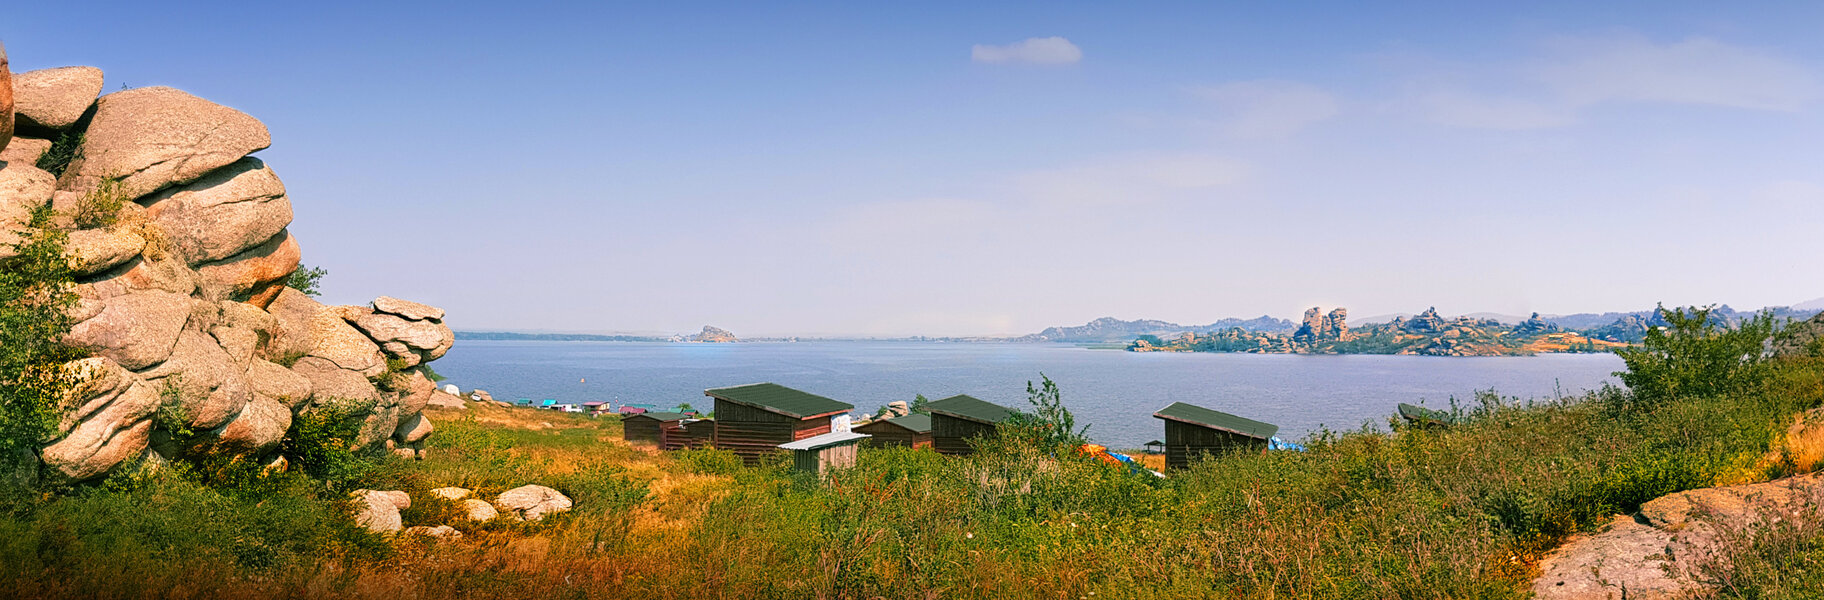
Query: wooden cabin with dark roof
(1194, 431)
(956, 419)
(687, 433)
(909, 431)
(644, 427)
(753, 420)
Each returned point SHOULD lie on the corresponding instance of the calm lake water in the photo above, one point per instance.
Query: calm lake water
(1113, 391)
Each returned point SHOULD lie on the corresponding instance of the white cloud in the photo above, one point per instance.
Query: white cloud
(1590, 71)
(1040, 51)
(1269, 108)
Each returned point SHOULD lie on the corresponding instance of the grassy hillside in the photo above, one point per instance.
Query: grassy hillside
(1398, 513)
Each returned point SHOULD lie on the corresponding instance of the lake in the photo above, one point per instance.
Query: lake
(1113, 391)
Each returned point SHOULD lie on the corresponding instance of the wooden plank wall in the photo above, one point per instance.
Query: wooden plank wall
(950, 435)
(1185, 443)
(640, 430)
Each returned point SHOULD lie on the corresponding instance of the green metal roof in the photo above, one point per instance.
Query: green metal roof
(1422, 415)
(662, 416)
(1197, 415)
(915, 422)
(968, 408)
(775, 398)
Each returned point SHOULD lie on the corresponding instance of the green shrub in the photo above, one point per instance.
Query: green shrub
(1050, 426)
(1697, 355)
(63, 150)
(101, 206)
(307, 279)
(35, 293)
(321, 443)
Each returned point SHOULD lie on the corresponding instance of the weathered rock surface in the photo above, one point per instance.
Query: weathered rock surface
(54, 98)
(446, 400)
(379, 511)
(413, 429)
(23, 188)
(97, 250)
(451, 493)
(155, 137)
(136, 330)
(6, 100)
(1658, 553)
(182, 297)
(111, 422)
(479, 510)
(532, 502)
(25, 151)
(408, 309)
(715, 335)
(227, 212)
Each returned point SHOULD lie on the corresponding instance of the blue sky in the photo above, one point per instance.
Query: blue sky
(863, 168)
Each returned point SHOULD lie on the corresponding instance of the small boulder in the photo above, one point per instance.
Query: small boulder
(413, 430)
(379, 511)
(279, 384)
(55, 98)
(451, 493)
(23, 188)
(258, 428)
(155, 137)
(97, 250)
(443, 399)
(532, 502)
(479, 510)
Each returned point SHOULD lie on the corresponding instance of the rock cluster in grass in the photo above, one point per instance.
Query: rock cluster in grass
(1663, 551)
(379, 511)
(180, 245)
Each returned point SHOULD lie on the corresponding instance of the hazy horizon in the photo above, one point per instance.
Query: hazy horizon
(954, 169)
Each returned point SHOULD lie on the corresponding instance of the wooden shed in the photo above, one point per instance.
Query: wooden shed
(822, 453)
(956, 419)
(1193, 431)
(753, 420)
(644, 427)
(688, 433)
(910, 431)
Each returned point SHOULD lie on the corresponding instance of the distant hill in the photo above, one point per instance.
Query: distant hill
(1110, 329)
(553, 337)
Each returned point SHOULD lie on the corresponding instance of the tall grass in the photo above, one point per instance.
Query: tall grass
(1391, 512)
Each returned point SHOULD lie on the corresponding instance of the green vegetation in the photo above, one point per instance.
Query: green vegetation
(1694, 355)
(1394, 512)
(101, 206)
(63, 150)
(307, 279)
(34, 297)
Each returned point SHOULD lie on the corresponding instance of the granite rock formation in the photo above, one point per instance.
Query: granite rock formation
(180, 241)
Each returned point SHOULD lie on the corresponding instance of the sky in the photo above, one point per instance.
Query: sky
(980, 168)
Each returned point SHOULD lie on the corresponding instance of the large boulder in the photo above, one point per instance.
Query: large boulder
(144, 274)
(408, 309)
(136, 330)
(257, 274)
(1661, 553)
(295, 313)
(54, 98)
(330, 382)
(23, 188)
(25, 151)
(532, 502)
(258, 428)
(278, 384)
(155, 137)
(111, 422)
(227, 212)
(334, 339)
(409, 341)
(212, 387)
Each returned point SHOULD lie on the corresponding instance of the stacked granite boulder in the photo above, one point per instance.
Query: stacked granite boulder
(179, 242)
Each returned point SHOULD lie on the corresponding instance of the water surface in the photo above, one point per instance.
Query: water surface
(1113, 391)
